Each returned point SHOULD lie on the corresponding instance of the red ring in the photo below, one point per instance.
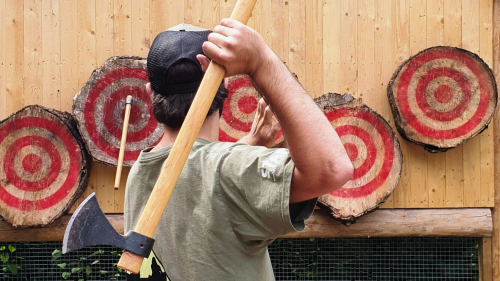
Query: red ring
(411, 119)
(55, 165)
(109, 120)
(422, 89)
(228, 116)
(73, 169)
(89, 110)
(371, 151)
(388, 159)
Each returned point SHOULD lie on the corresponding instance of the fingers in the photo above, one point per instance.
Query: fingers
(218, 39)
(212, 51)
(230, 23)
(223, 30)
(204, 62)
(275, 130)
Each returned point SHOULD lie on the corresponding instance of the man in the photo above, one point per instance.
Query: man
(232, 199)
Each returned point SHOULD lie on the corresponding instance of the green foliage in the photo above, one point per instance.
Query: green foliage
(9, 260)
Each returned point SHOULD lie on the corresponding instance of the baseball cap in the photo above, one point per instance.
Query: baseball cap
(183, 41)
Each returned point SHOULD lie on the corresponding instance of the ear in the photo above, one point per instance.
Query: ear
(148, 89)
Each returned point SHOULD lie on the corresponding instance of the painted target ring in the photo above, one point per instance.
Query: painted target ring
(43, 165)
(100, 105)
(442, 96)
(374, 151)
(239, 109)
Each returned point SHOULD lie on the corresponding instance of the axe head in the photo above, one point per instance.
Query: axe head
(89, 227)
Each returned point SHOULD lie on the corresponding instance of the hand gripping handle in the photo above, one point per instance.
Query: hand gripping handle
(182, 146)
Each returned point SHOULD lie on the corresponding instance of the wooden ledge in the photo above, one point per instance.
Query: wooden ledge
(476, 222)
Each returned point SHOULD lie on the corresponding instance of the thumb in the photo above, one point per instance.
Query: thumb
(203, 61)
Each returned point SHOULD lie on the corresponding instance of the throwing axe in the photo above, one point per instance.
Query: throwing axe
(88, 225)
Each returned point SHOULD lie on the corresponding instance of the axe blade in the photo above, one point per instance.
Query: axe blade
(89, 226)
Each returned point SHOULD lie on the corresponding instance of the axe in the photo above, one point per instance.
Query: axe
(88, 225)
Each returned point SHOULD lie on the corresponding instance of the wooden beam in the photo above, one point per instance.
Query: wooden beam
(382, 223)
(475, 222)
(52, 232)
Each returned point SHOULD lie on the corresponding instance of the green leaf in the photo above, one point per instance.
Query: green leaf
(117, 275)
(96, 261)
(88, 270)
(101, 251)
(311, 239)
(76, 269)
(114, 253)
(62, 265)
(66, 275)
(5, 269)
(13, 268)
(4, 257)
(2, 248)
(12, 249)
(119, 269)
(56, 254)
(81, 280)
(103, 271)
(83, 258)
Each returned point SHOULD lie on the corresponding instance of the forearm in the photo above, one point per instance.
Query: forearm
(314, 145)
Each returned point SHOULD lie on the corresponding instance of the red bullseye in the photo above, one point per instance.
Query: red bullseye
(443, 94)
(135, 114)
(247, 105)
(408, 73)
(72, 168)
(32, 163)
(352, 151)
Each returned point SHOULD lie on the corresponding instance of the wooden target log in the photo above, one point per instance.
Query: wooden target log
(239, 109)
(374, 151)
(44, 165)
(441, 97)
(99, 108)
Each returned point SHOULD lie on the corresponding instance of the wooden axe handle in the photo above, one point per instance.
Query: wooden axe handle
(182, 146)
(123, 141)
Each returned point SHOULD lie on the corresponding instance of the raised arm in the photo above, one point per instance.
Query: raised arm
(321, 163)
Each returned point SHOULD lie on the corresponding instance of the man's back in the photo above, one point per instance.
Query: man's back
(230, 202)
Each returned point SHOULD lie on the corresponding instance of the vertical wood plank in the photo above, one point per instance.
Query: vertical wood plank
(122, 27)
(454, 157)
(383, 66)
(3, 94)
(86, 58)
(331, 47)
(419, 195)
(227, 7)
(280, 28)
(348, 47)
(436, 162)
(140, 28)
(401, 43)
(314, 48)
(164, 14)
(366, 51)
(14, 55)
(265, 21)
(472, 147)
(104, 48)
(485, 259)
(69, 53)
(486, 137)
(51, 54)
(32, 71)
(495, 240)
(296, 37)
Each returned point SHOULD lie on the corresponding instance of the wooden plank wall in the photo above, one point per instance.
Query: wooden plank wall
(49, 49)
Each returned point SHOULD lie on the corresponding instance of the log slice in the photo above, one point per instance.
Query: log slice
(44, 165)
(374, 151)
(100, 105)
(441, 97)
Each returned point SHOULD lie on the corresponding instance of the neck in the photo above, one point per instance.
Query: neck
(209, 131)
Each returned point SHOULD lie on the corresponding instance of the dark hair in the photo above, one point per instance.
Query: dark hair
(171, 110)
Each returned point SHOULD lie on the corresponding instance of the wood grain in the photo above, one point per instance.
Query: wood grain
(473, 222)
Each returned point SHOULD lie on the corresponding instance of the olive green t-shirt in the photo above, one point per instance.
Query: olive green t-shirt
(230, 202)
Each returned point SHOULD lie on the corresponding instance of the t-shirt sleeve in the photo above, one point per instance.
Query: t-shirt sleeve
(255, 186)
